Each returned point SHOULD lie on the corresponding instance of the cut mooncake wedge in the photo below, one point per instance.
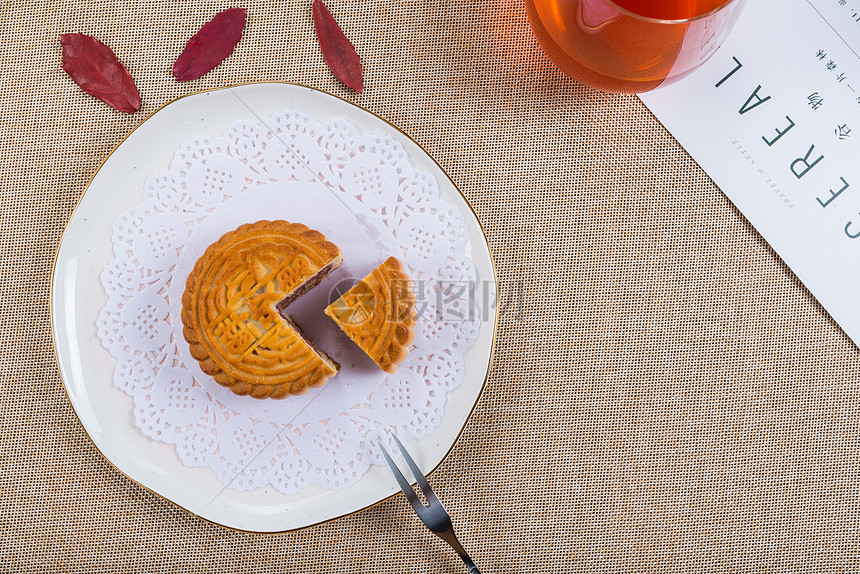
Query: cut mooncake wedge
(233, 309)
(378, 314)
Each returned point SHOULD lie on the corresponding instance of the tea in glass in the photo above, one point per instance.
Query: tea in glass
(630, 46)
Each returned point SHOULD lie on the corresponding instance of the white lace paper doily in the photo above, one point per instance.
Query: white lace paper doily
(362, 192)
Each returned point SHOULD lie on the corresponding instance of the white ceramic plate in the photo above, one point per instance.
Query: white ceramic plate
(87, 367)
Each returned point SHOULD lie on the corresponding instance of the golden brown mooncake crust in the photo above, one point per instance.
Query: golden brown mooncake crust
(230, 313)
(378, 314)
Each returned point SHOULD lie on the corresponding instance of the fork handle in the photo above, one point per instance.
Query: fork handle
(471, 565)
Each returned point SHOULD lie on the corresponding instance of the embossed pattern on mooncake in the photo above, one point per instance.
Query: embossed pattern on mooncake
(230, 308)
(378, 314)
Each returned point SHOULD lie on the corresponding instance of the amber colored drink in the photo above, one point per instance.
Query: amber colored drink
(630, 46)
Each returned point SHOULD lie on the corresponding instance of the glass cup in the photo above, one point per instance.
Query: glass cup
(630, 46)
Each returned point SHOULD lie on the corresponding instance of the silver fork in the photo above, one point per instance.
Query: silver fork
(434, 515)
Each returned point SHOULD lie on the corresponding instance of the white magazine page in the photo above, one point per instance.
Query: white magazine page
(774, 119)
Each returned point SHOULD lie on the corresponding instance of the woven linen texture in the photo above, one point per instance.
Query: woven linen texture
(666, 396)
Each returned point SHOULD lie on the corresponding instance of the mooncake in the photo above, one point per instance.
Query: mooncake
(378, 314)
(233, 309)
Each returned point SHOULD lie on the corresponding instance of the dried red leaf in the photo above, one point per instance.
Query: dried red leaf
(338, 52)
(96, 69)
(210, 45)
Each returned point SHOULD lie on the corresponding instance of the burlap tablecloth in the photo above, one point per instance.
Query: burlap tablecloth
(666, 395)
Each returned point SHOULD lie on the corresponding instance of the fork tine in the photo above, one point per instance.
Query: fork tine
(416, 472)
(401, 480)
